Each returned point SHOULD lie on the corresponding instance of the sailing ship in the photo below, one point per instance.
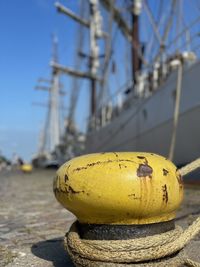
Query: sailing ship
(156, 108)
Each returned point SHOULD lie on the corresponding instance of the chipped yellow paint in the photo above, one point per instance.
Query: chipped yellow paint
(26, 167)
(119, 188)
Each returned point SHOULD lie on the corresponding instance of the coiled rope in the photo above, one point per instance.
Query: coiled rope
(146, 251)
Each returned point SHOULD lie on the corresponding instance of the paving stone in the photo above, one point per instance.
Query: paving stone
(32, 223)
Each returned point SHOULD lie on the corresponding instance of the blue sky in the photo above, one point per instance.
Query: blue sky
(26, 28)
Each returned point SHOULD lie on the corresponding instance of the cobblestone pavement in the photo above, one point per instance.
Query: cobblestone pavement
(32, 223)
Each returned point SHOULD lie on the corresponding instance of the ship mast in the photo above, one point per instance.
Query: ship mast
(71, 127)
(95, 33)
(130, 33)
(54, 101)
(94, 26)
(135, 39)
(50, 137)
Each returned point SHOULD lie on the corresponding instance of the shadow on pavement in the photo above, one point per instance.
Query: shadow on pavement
(52, 250)
(187, 214)
(193, 178)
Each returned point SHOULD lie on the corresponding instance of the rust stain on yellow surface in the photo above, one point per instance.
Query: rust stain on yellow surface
(119, 188)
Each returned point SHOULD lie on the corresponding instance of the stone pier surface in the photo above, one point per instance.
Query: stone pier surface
(32, 223)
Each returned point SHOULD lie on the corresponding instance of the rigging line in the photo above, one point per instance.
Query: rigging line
(124, 124)
(186, 42)
(65, 47)
(119, 91)
(76, 82)
(152, 21)
(119, 77)
(124, 29)
(108, 55)
(123, 8)
(160, 11)
(160, 21)
(178, 21)
(139, 52)
(127, 49)
(127, 61)
(196, 48)
(166, 30)
(197, 4)
(182, 32)
(112, 45)
(176, 111)
(163, 18)
(46, 129)
(133, 114)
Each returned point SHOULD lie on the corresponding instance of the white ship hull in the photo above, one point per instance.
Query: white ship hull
(148, 124)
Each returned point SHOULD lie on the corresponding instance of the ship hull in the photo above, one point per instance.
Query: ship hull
(147, 125)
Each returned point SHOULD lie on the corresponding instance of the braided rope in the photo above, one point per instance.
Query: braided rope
(151, 251)
(172, 262)
(130, 251)
(190, 167)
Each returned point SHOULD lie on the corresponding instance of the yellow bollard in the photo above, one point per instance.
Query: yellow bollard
(119, 188)
(26, 168)
(126, 196)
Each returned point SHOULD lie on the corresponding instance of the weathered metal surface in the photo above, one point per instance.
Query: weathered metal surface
(122, 232)
(119, 188)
